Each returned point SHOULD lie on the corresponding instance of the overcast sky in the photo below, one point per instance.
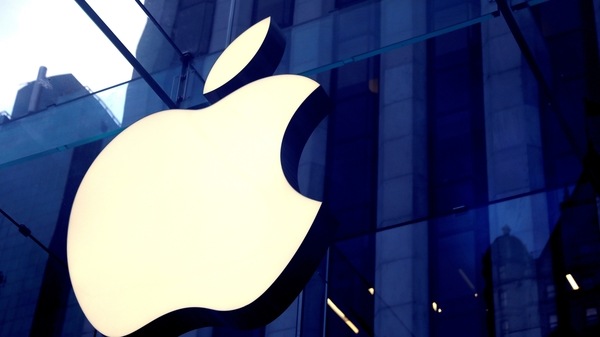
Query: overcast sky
(59, 35)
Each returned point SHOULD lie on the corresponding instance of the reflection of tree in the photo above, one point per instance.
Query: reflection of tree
(511, 294)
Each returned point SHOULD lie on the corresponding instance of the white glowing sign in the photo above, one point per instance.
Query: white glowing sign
(191, 208)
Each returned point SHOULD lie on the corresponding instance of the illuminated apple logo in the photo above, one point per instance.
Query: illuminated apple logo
(193, 218)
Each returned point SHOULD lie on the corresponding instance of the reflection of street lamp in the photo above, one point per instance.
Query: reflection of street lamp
(572, 282)
(341, 315)
(468, 280)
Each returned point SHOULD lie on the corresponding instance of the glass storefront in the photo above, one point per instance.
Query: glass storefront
(460, 160)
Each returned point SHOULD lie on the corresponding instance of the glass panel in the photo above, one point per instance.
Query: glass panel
(467, 193)
(124, 18)
(64, 125)
(60, 37)
(462, 274)
(376, 26)
(380, 30)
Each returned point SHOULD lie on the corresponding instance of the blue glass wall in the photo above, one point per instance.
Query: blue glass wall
(461, 161)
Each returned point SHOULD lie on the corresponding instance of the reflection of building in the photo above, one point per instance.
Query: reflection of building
(513, 282)
(453, 119)
(533, 297)
(572, 250)
(46, 92)
(71, 115)
(38, 192)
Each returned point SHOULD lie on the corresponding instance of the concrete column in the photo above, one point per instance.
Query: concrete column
(401, 275)
(220, 29)
(306, 10)
(310, 43)
(513, 138)
(514, 161)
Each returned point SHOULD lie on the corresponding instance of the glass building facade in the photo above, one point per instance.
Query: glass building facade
(461, 159)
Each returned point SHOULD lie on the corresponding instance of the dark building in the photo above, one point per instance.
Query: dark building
(461, 160)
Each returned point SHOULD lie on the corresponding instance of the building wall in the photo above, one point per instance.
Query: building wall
(456, 138)
(37, 192)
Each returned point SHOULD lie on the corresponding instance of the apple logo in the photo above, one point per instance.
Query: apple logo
(193, 218)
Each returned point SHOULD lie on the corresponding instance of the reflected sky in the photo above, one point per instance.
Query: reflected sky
(59, 35)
